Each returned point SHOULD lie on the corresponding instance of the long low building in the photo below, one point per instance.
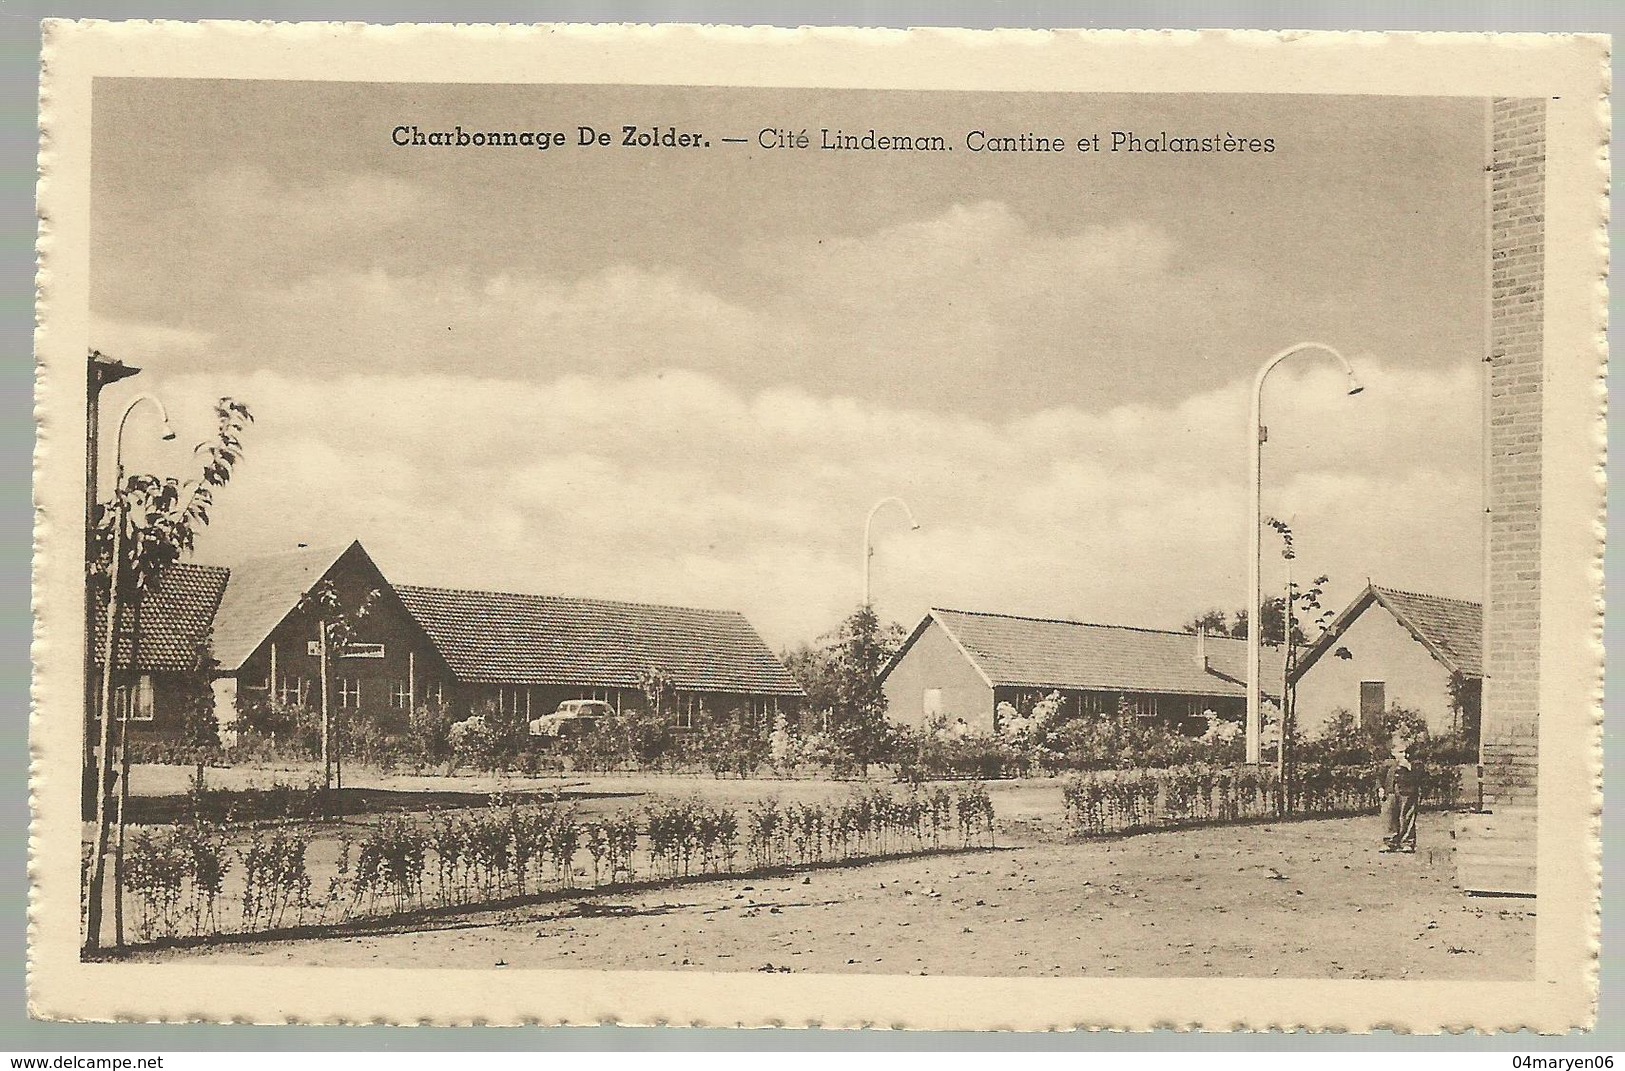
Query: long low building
(960, 665)
(247, 628)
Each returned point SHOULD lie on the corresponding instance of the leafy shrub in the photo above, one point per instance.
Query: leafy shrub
(933, 753)
(390, 861)
(289, 730)
(404, 862)
(429, 736)
(379, 741)
(474, 744)
(175, 753)
(729, 744)
(279, 800)
(275, 876)
(1117, 801)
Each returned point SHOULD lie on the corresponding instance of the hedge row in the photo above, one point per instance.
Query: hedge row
(201, 879)
(1120, 801)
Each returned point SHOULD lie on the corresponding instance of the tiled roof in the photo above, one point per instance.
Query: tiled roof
(1451, 629)
(261, 593)
(497, 638)
(1027, 652)
(170, 620)
(1454, 628)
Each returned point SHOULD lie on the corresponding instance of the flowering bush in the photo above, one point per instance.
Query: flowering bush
(1123, 741)
(935, 752)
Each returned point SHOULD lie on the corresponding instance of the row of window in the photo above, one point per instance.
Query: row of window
(299, 691)
(131, 702)
(762, 710)
(1083, 704)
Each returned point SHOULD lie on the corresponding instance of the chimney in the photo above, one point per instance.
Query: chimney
(1201, 647)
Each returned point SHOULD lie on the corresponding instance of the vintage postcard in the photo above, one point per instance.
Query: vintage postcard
(713, 526)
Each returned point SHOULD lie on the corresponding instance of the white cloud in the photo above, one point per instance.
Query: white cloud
(975, 308)
(682, 488)
(134, 341)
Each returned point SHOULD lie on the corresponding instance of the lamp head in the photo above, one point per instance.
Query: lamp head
(1355, 386)
(169, 432)
(915, 526)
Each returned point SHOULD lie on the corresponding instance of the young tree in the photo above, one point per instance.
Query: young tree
(336, 625)
(841, 674)
(150, 523)
(1304, 618)
(199, 731)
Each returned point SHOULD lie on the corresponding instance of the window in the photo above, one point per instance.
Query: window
(1096, 703)
(764, 711)
(435, 692)
(349, 693)
(931, 704)
(689, 708)
(362, 650)
(133, 702)
(400, 695)
(1141, 706)
(1373, 702)
(291, 691)
(513, 701)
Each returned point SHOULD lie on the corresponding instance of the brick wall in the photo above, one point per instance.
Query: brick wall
(1512, 603)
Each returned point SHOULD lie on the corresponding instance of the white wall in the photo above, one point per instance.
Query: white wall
(225, 708)
(1383, 650)
(935, 662)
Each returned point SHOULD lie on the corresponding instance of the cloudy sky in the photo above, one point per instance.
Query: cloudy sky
(685, 375)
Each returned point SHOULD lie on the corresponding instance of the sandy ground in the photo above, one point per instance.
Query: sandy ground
(1307, 899)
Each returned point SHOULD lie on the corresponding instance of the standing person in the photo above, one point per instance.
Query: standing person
(1400, 789)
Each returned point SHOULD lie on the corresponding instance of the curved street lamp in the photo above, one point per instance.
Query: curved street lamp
(868, 546)
(104, 760)
(1255, 623)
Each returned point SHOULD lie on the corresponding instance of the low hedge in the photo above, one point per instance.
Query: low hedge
(1120, 801)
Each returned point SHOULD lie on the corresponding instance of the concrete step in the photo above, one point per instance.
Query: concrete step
(1495, 852)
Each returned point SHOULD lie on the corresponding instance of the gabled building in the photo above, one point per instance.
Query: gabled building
(961, 665)
(1423, 652)
(245, 629)
(528, 653)
(267, 647)
(162, 648)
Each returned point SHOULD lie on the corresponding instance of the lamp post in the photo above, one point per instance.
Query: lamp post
(868, 546)
(1255, 522)
(104, 759)
(100, 371)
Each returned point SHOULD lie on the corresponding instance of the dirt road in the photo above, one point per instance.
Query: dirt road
(1295, 900)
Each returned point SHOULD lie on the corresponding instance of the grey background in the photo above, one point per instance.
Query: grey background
(19, 60)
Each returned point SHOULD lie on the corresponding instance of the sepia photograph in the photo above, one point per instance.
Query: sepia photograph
(535, 526)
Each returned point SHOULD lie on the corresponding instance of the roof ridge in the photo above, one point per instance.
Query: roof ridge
(198, 565)
(1081, 624)
(566, 598)
(1428, 595)
(325, 550)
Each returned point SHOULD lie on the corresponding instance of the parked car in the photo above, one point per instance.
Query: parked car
(572, 718)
